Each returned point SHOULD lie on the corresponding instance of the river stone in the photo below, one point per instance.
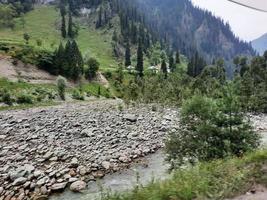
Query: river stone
(78, 186)
(88, 133)
(48, 155)
(19, 181)
(106, 165)
(74, 163)
(17, 174)
(130, 117)
(1, 190)
(59, 186)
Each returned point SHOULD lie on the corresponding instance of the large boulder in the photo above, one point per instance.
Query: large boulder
(78, 186)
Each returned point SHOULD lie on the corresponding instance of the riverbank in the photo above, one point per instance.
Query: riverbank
(44, 150)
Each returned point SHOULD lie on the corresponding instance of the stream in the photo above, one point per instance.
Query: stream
(156, 168)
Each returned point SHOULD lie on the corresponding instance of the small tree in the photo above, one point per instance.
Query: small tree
(120, 75)
(128, 55)
(93, 67)
(164, 69)
(61, 86)
(140, 60)
(26, 37)
(211, 129)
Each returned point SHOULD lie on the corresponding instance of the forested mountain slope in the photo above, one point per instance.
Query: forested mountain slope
(189, 28)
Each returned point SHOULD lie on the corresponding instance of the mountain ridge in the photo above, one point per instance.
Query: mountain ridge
(260, 44)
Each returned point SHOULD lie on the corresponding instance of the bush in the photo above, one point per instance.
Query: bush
(211, 129)
(24, 98)
(77, 95)
(93, 67)
(6, 97)
(61, 86)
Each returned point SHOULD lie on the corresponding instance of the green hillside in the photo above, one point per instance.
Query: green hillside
(44, 22)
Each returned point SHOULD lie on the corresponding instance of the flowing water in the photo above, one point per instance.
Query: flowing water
(155, 168)
(121, 181)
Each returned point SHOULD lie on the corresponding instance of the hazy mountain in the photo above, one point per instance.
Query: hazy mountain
(260, 44)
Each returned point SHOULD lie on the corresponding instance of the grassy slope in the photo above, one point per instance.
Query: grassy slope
(44, 22)
(214, 180)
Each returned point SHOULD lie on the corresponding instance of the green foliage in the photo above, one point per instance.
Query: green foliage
(211, 129)
(24, 98)
(93, 67)
(78, 95)
(26, 37)
(6, 97)
(7, 14)
(68, 61)
(61, 86)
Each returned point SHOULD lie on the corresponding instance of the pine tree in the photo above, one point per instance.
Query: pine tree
(164, 68)
(67, 67)
(128, 55)
(140, 61)
(70, 26)
(172, 65)
(63, 20)
(63, 27)
(177, 58)
(77, 62)
(59, 60)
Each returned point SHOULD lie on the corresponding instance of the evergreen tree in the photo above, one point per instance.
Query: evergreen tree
(70, 26)
(164, 68)
(77, 62)
(243, 66)
(62, 8)
(63, 27)
(99, 21)
(128, 55)
(68, 60)
(59, 60)
(172, 65)
(140, 61)
(177, 58)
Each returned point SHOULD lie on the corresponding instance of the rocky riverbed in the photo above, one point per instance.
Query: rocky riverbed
(45, 150)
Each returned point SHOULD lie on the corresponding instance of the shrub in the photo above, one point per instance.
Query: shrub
(24, 98)
(77, 95)
(61, 86)
(93, 67)
(6, 97)
(210, 129)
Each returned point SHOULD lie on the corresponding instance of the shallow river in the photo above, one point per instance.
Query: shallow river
(127, 179)
(123, 180)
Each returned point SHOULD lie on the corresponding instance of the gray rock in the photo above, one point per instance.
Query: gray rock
(17, 174)
(1, 190)
(59, 186)
(78, 186)
(74, 163)
(48, 155)
(130, 117)
(42, 181)
(88, 133)
(106, 165)
(19, 181)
